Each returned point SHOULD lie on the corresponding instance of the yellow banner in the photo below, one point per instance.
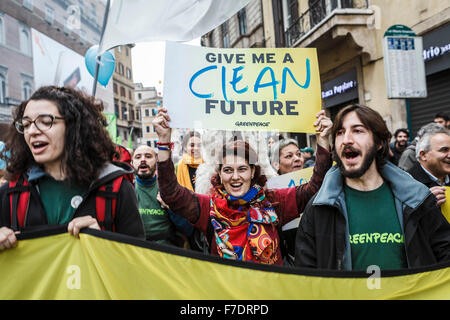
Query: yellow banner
(94, 267)
(242, 89)
(445, 208)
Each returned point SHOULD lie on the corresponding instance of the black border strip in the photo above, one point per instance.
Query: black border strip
(122, 238)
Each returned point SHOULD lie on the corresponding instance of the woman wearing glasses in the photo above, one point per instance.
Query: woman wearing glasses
(60, 152)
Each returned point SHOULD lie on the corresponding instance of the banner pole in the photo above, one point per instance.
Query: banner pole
(97, 61)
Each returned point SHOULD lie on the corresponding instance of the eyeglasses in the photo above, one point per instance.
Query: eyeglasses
(43, 122)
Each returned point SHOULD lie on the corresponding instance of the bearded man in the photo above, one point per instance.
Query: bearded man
(155, 216)
(368, 211)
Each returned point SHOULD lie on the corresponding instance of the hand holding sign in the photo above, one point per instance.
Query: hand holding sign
(439, 193)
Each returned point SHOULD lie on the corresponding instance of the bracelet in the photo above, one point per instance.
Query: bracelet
(165, 145)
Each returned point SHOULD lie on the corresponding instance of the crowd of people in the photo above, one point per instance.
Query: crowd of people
(380, 204)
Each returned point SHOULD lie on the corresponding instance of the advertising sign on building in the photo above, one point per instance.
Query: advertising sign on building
(403, 63)
(55, 64)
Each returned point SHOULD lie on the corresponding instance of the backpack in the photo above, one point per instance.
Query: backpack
(105, 203)
(123, 155)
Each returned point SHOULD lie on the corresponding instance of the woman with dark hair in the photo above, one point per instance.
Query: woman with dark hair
(60, 156)
(240, 218)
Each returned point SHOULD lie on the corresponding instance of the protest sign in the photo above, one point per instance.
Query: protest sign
(291, 179)
(242, 89)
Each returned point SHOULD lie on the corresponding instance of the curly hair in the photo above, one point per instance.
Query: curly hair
(88, 145)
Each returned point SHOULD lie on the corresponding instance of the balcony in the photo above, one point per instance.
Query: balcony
(324, 15)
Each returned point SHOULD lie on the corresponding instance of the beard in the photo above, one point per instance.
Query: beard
(147, 175)
(366, 162)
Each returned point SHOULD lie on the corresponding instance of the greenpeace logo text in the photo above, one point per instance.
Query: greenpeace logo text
(251, 124)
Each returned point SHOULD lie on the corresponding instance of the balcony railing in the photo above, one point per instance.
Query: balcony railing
(316, 13)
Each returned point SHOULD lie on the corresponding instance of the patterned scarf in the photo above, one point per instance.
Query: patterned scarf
(242, 234)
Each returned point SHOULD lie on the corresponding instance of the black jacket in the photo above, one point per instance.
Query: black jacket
(127, 219)
(323, 237)
(420, 175)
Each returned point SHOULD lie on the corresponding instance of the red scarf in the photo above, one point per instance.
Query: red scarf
(248, 233)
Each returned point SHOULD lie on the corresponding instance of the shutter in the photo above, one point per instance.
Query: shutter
(422, 111)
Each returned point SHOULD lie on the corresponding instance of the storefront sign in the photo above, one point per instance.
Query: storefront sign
(340, 89)
(436, 50)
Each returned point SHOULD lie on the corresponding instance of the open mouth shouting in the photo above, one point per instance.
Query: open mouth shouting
(350, 155)
(38, 147)
(144, 169)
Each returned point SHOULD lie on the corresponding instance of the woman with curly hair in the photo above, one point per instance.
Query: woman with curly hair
(60, 154)
(240, 217)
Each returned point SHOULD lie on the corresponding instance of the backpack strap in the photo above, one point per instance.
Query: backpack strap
(105, 203)
(19, 199)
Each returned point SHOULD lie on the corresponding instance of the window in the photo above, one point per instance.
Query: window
(147, 113)
(122, 92)
(225, 37)
(116, 107)
(2, 88)
(139, 96)
(211, 39)
(154, 112)
(131, 112)
(128, 73)
(242, 17)
(2, 31)
(26, 90)
(49, 14)
(130, 96)
(124, 111)
(121, 72)
(25, 44)
(147, 129)
(115, 88)
(93, 11)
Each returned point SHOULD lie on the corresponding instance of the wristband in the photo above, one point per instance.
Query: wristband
(165, 145)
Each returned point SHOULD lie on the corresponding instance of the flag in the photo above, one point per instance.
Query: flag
(111, 119)
(130, 140)
(131, 21)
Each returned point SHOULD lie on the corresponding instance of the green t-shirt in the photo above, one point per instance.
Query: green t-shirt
(60, 199)
(376, 237)
(156, 220)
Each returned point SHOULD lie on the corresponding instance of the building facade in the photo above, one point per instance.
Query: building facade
(348, 35)
(147, 102)
(72, 26)
(128, 117)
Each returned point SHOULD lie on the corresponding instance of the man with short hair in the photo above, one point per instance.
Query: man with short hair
(408, 158)
(368, 211)
(442, 119)
(433, 166)
(308, 155)
(157, 224)
(399, 145)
